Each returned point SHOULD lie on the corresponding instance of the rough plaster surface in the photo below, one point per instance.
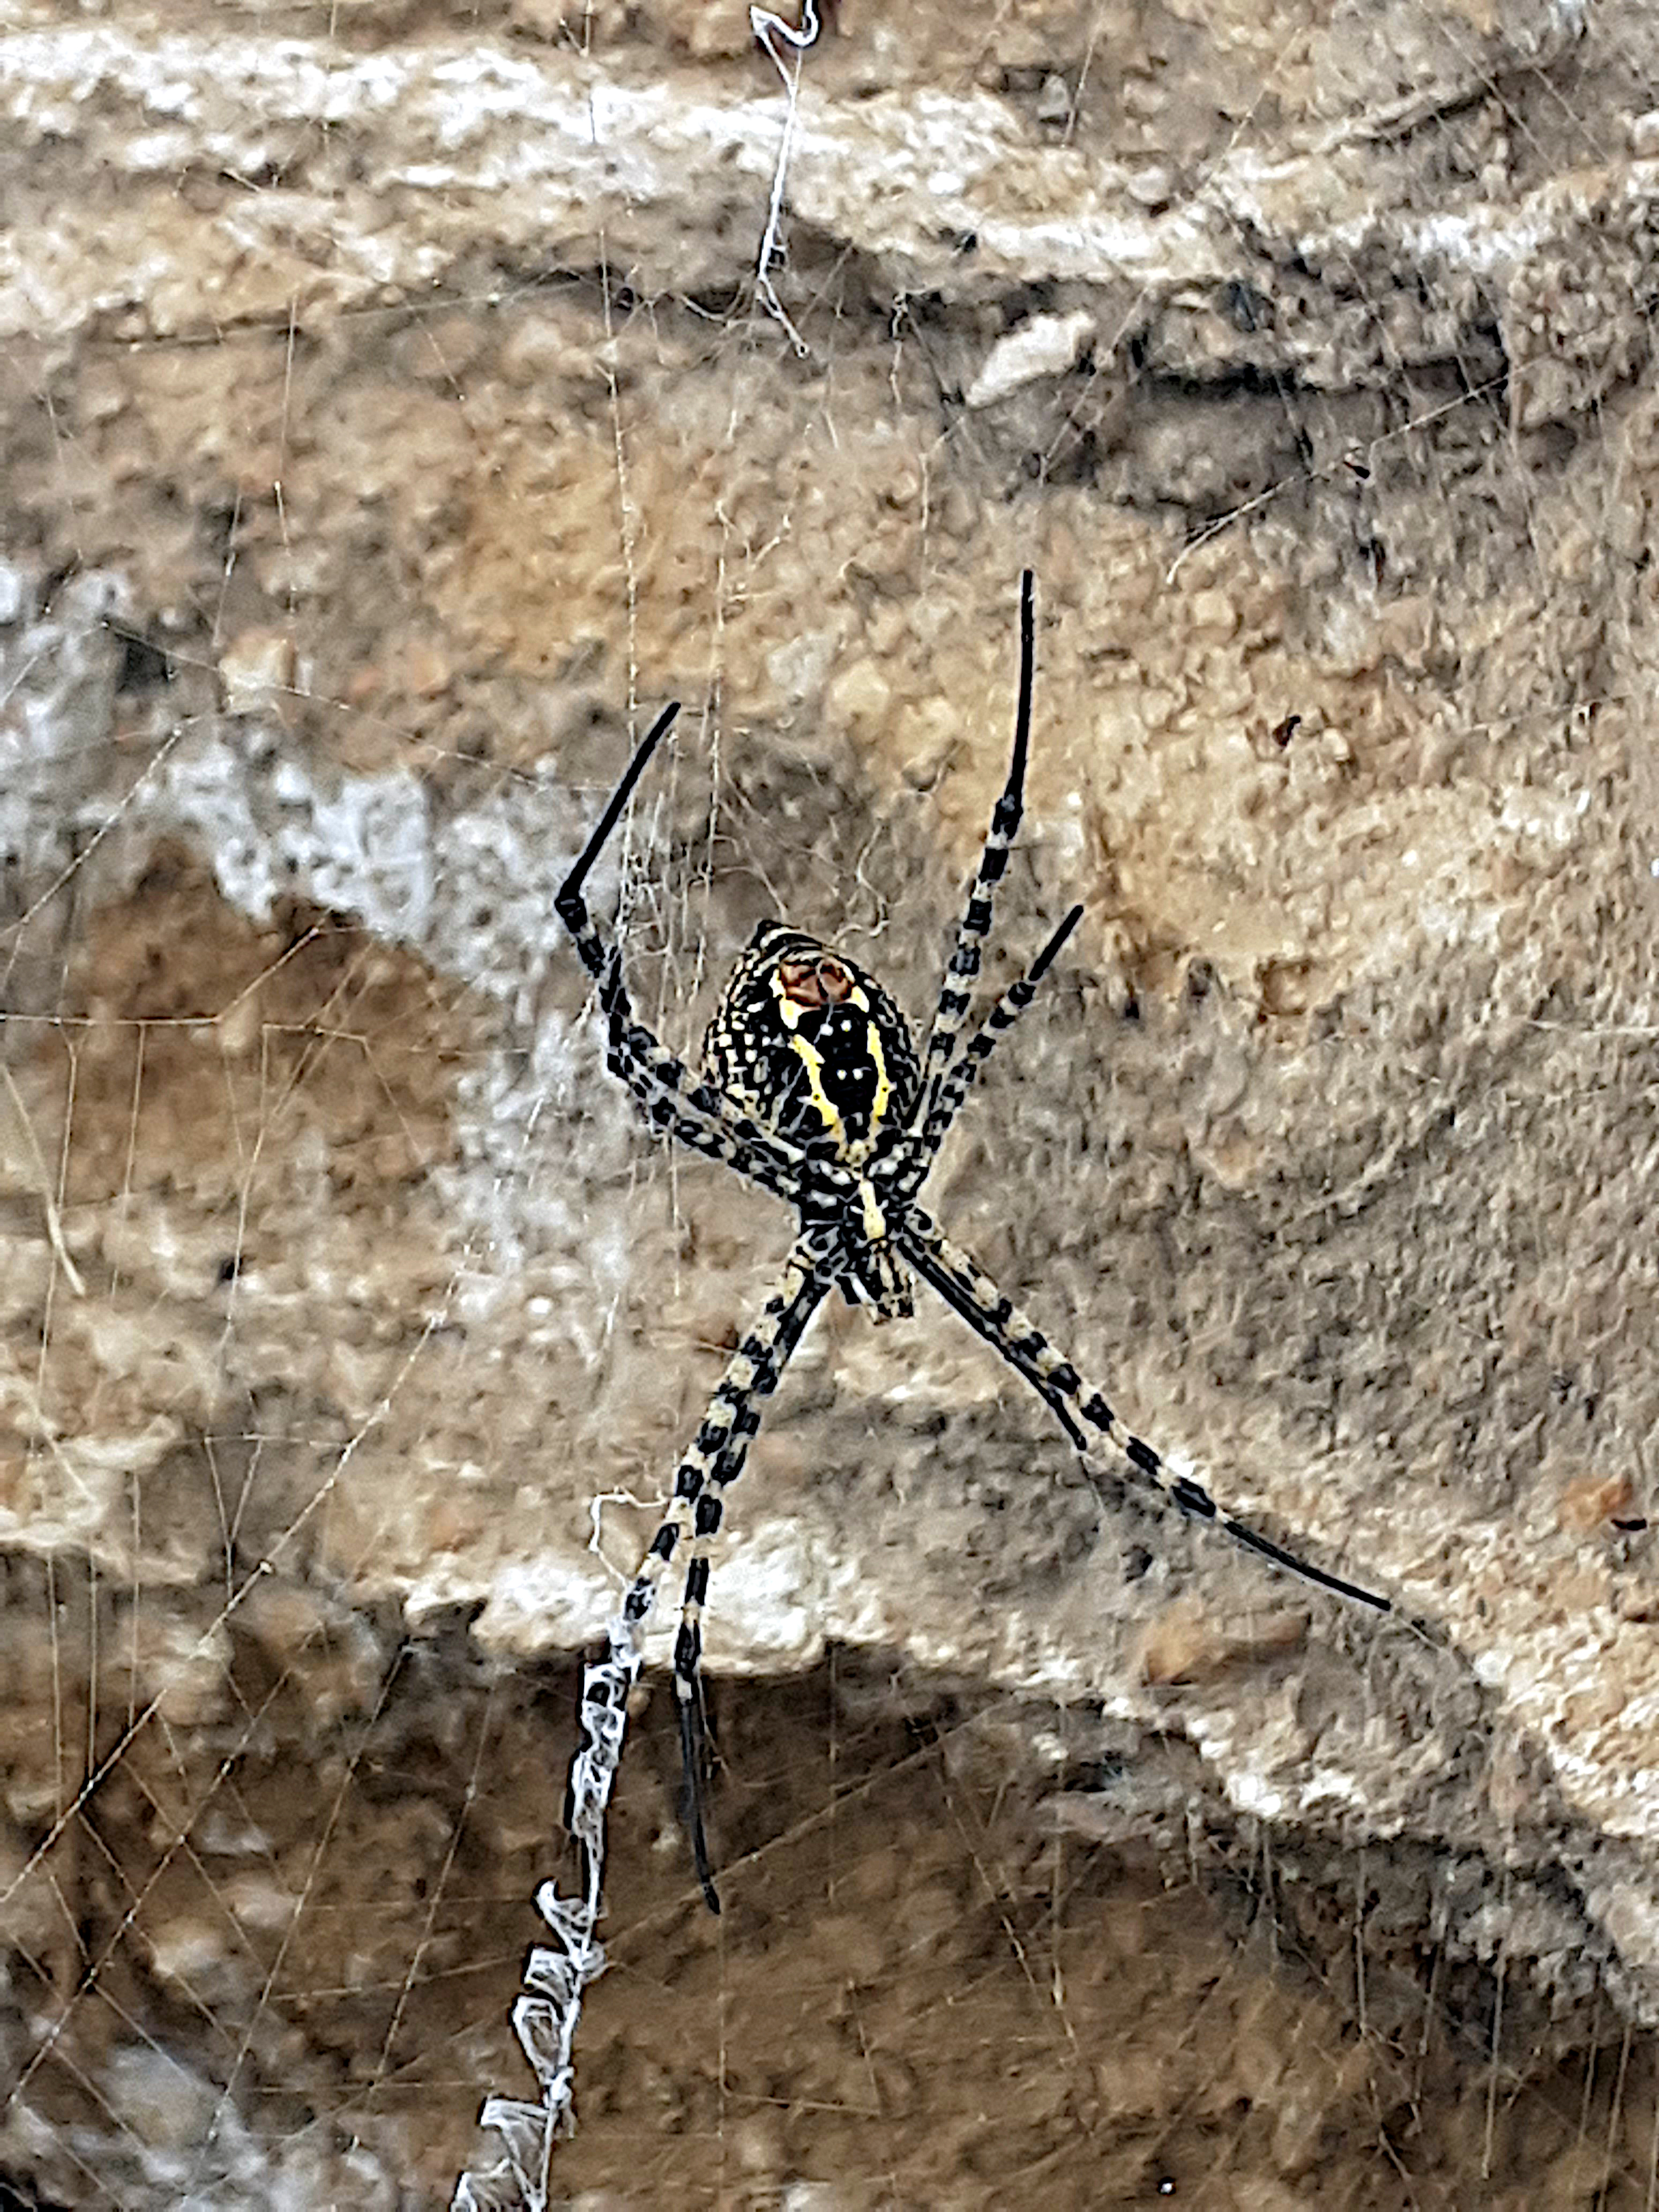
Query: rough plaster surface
(386, 431)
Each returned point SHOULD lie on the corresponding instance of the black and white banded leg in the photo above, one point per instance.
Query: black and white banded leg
(956, 992)
(678, 1106)
(1076, 1403)
(672, 1101)
(961, 1076)
(709, 1468)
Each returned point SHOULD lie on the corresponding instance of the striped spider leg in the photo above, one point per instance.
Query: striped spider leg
(671, 1101)
(945, 1100)
(713, 1461)
(961, 972)
(1073, 1400)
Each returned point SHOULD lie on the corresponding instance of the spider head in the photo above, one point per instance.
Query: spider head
(808, 1042)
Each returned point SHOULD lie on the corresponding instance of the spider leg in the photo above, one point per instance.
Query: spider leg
(569, 905)
(956, 991)
(713, 1463)
(969, 1291)
(671, 1100)
(960, 1078)
(694, 1112)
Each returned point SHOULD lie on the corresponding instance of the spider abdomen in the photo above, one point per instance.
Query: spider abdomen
(810, 1044)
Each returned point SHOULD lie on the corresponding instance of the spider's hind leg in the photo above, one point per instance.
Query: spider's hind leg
(713, 1463)
(1076, 1403)
(697, 1764)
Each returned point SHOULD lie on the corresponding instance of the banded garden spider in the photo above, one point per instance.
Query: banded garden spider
(815, 1090)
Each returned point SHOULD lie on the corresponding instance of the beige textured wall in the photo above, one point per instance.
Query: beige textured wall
(388, 430)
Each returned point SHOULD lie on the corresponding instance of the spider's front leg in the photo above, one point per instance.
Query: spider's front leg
(672, 1101)
(956, 989)
(1076, 1403)
(713, 1463)
(945, 1104)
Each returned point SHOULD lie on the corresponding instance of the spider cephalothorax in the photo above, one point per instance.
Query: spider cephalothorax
(815, 1090)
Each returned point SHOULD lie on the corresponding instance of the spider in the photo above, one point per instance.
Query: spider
(815, 1090)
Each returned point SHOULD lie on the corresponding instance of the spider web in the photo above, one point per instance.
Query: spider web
(339, 1282)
